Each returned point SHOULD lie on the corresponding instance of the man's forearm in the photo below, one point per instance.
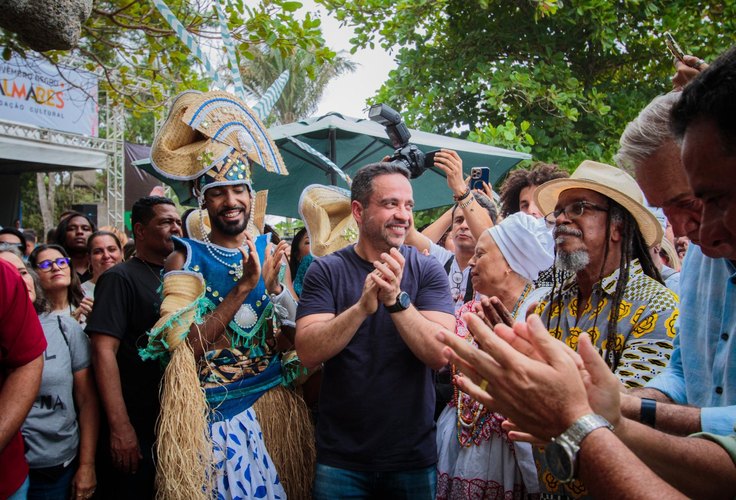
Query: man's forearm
(418, 332)
(85, 397)
(318, 341)
(669, 417)
(439, 227)
(107, 375)
(206, 335)
(17, 394)
(648, 392)
(610, 470)
(477, 218)
(697, 467)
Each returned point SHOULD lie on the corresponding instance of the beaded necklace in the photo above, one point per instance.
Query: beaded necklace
(472, 415)
(236, 269)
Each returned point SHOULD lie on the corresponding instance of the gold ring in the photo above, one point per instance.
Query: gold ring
(483, 385)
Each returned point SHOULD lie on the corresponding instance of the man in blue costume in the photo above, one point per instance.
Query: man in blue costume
(222, 296)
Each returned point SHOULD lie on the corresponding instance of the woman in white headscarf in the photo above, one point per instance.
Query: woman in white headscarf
(476, 458)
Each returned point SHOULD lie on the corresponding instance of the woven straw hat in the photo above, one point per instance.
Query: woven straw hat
(212, 130)
(608, 181)
(196, 221)
(260, 200)
(328, 216)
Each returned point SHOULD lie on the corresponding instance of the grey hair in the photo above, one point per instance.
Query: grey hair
(646, 133)
(10, 248)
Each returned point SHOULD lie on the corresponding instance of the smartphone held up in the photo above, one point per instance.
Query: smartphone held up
(479, 175)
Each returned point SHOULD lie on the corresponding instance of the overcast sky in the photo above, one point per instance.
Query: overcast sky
(347, 94)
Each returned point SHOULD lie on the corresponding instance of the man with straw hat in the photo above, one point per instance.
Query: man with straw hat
(558, 395)
(368, 312)
(602, 234)
(249, 436)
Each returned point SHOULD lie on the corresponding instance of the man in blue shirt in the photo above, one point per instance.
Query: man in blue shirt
(702, 369)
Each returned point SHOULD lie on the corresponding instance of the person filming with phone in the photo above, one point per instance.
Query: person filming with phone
(472, 213)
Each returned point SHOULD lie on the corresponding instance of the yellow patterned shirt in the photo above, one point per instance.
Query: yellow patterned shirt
(646, 329)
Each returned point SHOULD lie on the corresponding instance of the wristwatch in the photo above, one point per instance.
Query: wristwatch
(562, 452)
(403, 301)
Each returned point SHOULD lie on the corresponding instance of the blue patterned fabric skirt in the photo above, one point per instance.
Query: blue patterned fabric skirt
(243, 466)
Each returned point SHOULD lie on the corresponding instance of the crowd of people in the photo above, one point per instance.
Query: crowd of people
(547, 345)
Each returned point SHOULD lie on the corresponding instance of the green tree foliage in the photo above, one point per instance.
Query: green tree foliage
(143, 61)
(307, 81)
(558, 79)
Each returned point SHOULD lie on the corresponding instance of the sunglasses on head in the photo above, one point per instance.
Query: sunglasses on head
(19, 246)
(61, 263)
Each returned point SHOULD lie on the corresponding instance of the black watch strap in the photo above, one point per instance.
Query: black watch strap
(648, 415)
(402, 303)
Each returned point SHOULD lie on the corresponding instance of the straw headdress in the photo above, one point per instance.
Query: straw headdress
(213, 136)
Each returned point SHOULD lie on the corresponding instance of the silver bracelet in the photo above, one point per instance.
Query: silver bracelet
(467, 202)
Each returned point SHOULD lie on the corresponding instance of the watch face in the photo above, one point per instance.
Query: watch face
(404, 300)
(560, 461)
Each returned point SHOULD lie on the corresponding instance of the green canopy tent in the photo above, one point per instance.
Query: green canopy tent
(351, 143)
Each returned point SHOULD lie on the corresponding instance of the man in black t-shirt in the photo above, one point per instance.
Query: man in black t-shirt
(126, 307)
(370, 312)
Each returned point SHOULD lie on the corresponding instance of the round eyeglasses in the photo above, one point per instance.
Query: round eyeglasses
(572, 211)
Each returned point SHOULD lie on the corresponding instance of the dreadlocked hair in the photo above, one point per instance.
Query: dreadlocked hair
(632, 247)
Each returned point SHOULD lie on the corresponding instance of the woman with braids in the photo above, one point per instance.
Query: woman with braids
(602, 234)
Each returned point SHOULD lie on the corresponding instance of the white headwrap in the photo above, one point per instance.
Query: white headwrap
(526, 243)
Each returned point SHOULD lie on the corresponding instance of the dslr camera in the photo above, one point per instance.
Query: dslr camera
(406, 154)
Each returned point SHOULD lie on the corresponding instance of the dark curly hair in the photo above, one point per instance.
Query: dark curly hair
(521, 178)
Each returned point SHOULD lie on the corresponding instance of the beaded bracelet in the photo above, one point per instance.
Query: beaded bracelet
(463, 196)
(466, 203)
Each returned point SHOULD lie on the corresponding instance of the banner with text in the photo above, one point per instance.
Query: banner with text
(35, 92)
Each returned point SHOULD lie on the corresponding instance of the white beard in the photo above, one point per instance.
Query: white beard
(573, 261)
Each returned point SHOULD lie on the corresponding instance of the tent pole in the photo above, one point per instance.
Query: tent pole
(333, 154)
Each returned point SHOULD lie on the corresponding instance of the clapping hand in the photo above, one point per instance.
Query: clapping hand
(387, 276)
(251, 266)
(272, 266)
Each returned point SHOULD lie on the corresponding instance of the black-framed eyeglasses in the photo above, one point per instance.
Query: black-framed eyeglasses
(572, 211)
(61, 263)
